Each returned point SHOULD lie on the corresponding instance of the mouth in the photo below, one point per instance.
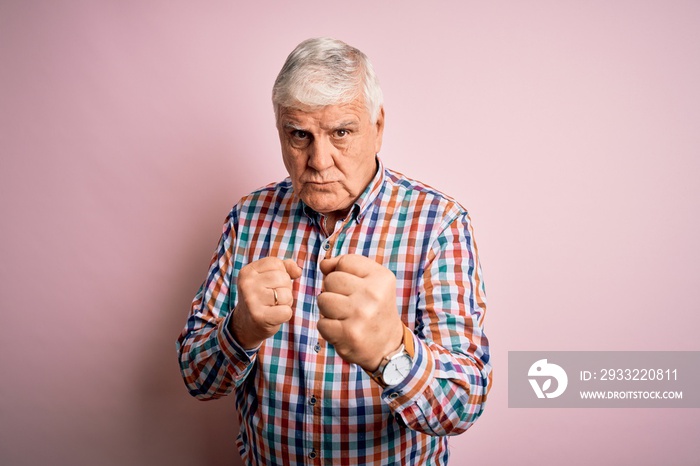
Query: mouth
(319, 183)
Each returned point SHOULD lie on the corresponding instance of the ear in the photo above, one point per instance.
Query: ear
(380, 130)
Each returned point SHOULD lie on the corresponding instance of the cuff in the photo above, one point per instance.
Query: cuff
(241, 360)
(418, 380)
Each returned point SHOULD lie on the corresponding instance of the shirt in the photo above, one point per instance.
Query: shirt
(298, 401)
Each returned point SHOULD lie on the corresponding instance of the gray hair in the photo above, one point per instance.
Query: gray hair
(325, 71)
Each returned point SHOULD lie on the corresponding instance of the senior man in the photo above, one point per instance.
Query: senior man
(344, 305)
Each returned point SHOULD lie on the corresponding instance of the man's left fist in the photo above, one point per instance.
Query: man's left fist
(358, 310)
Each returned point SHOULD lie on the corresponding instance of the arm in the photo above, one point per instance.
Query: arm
(211, 362)
(447, 387)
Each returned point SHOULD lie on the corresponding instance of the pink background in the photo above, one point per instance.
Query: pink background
(128, 129)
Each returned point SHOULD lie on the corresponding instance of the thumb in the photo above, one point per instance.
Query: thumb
(293, 270)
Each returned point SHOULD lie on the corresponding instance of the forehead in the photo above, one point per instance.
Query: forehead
(326, 116)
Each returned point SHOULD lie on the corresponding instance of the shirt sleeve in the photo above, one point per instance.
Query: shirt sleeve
(211, 361)
(446, 389)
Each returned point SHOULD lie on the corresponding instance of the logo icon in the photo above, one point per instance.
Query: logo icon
(544, 369)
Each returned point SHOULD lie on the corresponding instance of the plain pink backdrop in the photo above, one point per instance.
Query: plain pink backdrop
(128, 129)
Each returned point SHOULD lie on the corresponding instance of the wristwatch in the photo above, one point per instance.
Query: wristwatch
(396, 365)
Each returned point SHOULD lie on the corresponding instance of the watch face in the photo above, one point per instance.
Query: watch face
(397, 369)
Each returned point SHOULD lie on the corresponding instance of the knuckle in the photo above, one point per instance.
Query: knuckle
(330, 279)
(275, 261)
(374, 293)
(279, 316)
(245, 272)
(322, 301)
(385, 273)
(285, 313)
(281, 275)
(354, 337)
(322, 327)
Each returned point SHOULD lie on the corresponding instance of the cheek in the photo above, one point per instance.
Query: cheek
(287, 162)
(294, 163)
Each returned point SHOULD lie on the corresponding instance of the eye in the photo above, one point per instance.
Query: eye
(300, 134)
(341, 133)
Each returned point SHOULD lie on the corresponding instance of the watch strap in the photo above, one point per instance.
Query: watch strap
(408, 342)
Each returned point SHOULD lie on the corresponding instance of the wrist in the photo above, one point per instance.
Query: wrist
(395, 366)
(393, 345)
(244, 338)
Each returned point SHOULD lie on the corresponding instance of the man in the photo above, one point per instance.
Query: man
(344, 305)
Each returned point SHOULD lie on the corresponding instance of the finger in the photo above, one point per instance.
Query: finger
(341, 283)
(328, 265)
(354, 264)
(293, 269)
(330, 329)
(267, 264)
(334, 306)
(275, 279)
(284, 296)
(276, 315)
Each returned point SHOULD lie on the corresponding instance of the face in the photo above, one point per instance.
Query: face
(329, 153)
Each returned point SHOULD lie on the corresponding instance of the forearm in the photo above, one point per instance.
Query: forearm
(447, 388)
(211, 362)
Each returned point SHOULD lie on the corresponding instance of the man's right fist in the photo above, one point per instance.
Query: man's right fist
(264, 300)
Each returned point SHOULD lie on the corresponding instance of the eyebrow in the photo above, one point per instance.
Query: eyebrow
(343, 124)
(294, 126)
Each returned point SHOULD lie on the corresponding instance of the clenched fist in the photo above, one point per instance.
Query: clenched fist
(358, 310)
(264, 300)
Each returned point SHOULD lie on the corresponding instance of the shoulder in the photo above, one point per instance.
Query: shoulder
(270, 198)
(421, 195)
(271, 194)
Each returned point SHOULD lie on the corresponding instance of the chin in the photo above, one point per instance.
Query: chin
(323, 206)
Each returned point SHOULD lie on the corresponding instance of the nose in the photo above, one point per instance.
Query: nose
(321, 152)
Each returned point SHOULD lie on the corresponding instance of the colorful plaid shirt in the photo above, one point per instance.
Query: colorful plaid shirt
(298, 401)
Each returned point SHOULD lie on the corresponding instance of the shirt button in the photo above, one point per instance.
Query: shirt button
(317, 347)
(312, 455)
(394, 395)
(312, 401)
(326, 246)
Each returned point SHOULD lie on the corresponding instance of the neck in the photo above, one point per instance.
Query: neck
(330, 219)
